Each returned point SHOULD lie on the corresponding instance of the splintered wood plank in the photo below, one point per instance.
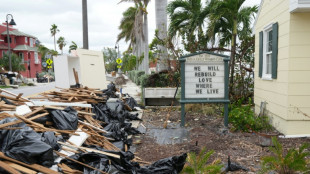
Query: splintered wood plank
(20, 168)
(8, 168)
(63, 155)
(19, 121)
(36, 167)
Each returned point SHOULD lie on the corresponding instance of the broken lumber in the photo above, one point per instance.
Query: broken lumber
(36, 167)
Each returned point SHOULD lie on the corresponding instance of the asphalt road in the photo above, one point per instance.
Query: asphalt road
(31, 90)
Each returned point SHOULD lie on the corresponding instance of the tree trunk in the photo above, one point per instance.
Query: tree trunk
(161, 26)
(55, 42)
(85, 24)
(146, 44)
(232, 56)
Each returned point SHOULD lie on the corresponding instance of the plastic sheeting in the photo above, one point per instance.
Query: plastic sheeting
(25, 145)
(172, 165)
(66, 119)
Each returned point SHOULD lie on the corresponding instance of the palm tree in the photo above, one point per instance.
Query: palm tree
(187, 20)
(54, 29)
(73, 46)
(16, 61)
(227, 20)
(61, 43)
(127, 27)
(141, 31)
(161, 27)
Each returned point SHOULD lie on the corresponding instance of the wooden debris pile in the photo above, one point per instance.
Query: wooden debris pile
(93, 129)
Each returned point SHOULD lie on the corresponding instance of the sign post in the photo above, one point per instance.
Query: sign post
(204, 79)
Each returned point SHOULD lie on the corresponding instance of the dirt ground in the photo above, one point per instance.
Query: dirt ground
(205, 131)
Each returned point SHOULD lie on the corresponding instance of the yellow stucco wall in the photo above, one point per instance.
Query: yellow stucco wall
(288, 96)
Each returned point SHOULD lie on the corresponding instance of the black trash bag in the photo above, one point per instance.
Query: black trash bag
(110, 91)
(102, 111)
(50, 139)
(130, 116)
(25, 145)
(130, 130)
(131, 102)
(66, 119)
(172, 165)
(98, 161)
(117, 132)
(44, 120)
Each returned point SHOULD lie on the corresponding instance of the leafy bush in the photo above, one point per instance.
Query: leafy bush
(137, 76)
(198, 164)
(292, 162)
(243, 118)
(170, 79)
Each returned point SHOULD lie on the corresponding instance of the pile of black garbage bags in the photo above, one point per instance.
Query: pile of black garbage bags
(26, 145)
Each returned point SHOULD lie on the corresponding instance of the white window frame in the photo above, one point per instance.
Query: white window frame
(26, 40)
(266, 76)
(36, 58)
(31, 42)
(21, 54)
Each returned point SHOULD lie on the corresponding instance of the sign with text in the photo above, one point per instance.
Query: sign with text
(204, 78)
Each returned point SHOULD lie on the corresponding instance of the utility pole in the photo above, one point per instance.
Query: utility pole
(85, 24)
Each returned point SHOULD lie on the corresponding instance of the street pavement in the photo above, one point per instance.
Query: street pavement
(32, 90)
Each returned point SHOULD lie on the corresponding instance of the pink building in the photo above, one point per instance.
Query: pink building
(23, 45)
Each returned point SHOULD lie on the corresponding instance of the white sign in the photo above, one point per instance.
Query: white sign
(204, 77)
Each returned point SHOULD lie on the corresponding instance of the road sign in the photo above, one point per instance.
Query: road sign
(44, 64)
(119, 61)
(48, 56)
(119, 66)
(49, 61)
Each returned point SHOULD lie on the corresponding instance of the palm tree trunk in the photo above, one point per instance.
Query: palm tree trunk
(146, 44)
(55, 42)
(161, 26)
(85, 24)
(233, 54)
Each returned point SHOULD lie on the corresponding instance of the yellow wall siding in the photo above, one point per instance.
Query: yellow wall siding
(288, 96)
(275, 91)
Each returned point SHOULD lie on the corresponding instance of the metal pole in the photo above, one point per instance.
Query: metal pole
(85, 24)
(226, 92)
(9, 46)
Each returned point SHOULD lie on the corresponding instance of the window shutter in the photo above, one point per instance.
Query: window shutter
(261, 54)
(275, 33)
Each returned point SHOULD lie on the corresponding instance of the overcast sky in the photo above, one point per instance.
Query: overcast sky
(35, 17)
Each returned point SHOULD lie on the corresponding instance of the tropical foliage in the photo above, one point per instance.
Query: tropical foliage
(61, 43)
(17, 63)
(73, 46)
(188, 21)
(135, 30)
(229, 21)
(127, 26)
(196, 164)
(129, 61)
(54, 30)
(290, 162)
(110, 56)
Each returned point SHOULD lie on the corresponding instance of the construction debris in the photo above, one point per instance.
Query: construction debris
(73, 131)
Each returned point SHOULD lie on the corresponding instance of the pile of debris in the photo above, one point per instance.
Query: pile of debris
(76, 130)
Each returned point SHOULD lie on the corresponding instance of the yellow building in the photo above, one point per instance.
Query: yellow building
(282, 64)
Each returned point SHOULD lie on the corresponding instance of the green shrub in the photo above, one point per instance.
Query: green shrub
(170, 79)
(243, 118)
(144, 80)
(286, 163)
(198, 164)
(137, 76)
